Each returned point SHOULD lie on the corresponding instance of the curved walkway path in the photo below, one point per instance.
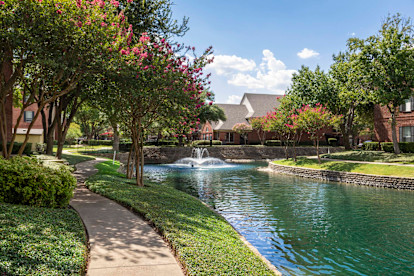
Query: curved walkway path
(121, 243)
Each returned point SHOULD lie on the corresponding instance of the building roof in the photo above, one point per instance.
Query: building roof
(235, 113)
(260, 104)
(251, 105)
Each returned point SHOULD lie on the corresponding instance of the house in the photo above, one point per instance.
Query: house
(405, 122)
(251, 106)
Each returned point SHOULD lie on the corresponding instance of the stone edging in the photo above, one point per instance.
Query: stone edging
(347, 177)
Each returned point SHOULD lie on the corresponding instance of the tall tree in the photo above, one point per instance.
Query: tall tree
(388, 59)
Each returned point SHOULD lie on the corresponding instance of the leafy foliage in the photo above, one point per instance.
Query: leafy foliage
(41, 241)
(24, 181)
(204, 242)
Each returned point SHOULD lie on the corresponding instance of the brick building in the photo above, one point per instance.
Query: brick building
(405, 123)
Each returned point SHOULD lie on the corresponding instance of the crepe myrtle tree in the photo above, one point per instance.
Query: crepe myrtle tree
(53, 46)
(154, 84)
(315, 121)
(258, 124)
(243, 129)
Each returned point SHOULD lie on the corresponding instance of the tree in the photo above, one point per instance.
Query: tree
(54, 45)
(73, 132)
(258, 124)
(314, 121)
(388, 60)
(154, 84)
(243, 129)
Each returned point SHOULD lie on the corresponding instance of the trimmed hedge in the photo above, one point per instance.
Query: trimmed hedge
(206, 142)
(371, 146)
(405, 147)
(333, 142)
(273, 143)
(16, 146)
(93, 142)
(25, 181)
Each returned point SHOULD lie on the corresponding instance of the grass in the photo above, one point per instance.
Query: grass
(204, 242)
(376, 169)
(373, 156)
(41, 241)
(72, 159)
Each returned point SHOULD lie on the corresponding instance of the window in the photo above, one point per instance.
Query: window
(28, 116)
(408, 106)
(229, 137)
(407, 134)
(206, 129)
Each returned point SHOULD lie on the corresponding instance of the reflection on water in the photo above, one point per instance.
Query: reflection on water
(307, 227)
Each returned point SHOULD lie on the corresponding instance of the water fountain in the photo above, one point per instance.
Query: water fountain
(200, 158)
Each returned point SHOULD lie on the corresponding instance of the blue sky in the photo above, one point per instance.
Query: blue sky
(259, 44)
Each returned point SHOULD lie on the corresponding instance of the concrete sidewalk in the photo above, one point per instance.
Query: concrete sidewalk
(363, 162)
(121, 242)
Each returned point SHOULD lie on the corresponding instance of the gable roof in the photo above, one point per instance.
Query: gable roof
(261, 104)
(235, 113)
(251, 105)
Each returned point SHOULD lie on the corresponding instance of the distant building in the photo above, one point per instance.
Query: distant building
(251, 106)
(405, 123)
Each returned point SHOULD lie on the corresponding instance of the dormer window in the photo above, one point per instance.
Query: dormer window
(207, 129)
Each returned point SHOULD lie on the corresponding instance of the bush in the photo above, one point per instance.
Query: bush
(16, 146)
(25, 181)
(405, 147)
(372, 146)
(273, 143)
(125, 146)
(332, 142)
(206, 143)
(93, 142)
(41, 147)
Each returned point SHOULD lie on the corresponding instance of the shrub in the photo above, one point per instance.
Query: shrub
(272, 143)
(25, 181)
(405, 147)
(206, 143)
(387, 147)
(372, 146)
(125, 146)
(40, 147)
(16, 146)
(93, 142)
(333, 142)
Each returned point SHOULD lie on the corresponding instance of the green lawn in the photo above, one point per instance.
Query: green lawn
(377, 169)
(72, 159)
(41, 241)
(204, 242)
(373, 156)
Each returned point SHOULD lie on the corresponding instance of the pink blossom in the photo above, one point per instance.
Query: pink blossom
(59, 12)
(2, 3)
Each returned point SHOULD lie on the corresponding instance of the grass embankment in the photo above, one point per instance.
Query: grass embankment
(373, 156)
(204, 242)
(72, 159)
(377, 169)
(41, 241)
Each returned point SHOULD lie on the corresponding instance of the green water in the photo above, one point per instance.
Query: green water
(307, 227)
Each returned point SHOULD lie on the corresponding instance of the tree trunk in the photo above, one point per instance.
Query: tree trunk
(345, 135)
(317, 150)
(394, 132)
(115, 145)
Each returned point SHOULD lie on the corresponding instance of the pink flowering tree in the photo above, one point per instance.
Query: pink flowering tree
(315, 121)
(258, 124)
(153, 84)
(54, 45)
(243, 129)
(278, 122)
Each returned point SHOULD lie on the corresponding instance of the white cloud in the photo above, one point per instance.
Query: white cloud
(307, 53)
(233, 99)
(226, 65)
(271, 75)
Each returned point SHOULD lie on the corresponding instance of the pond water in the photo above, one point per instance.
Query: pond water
(303, 226)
